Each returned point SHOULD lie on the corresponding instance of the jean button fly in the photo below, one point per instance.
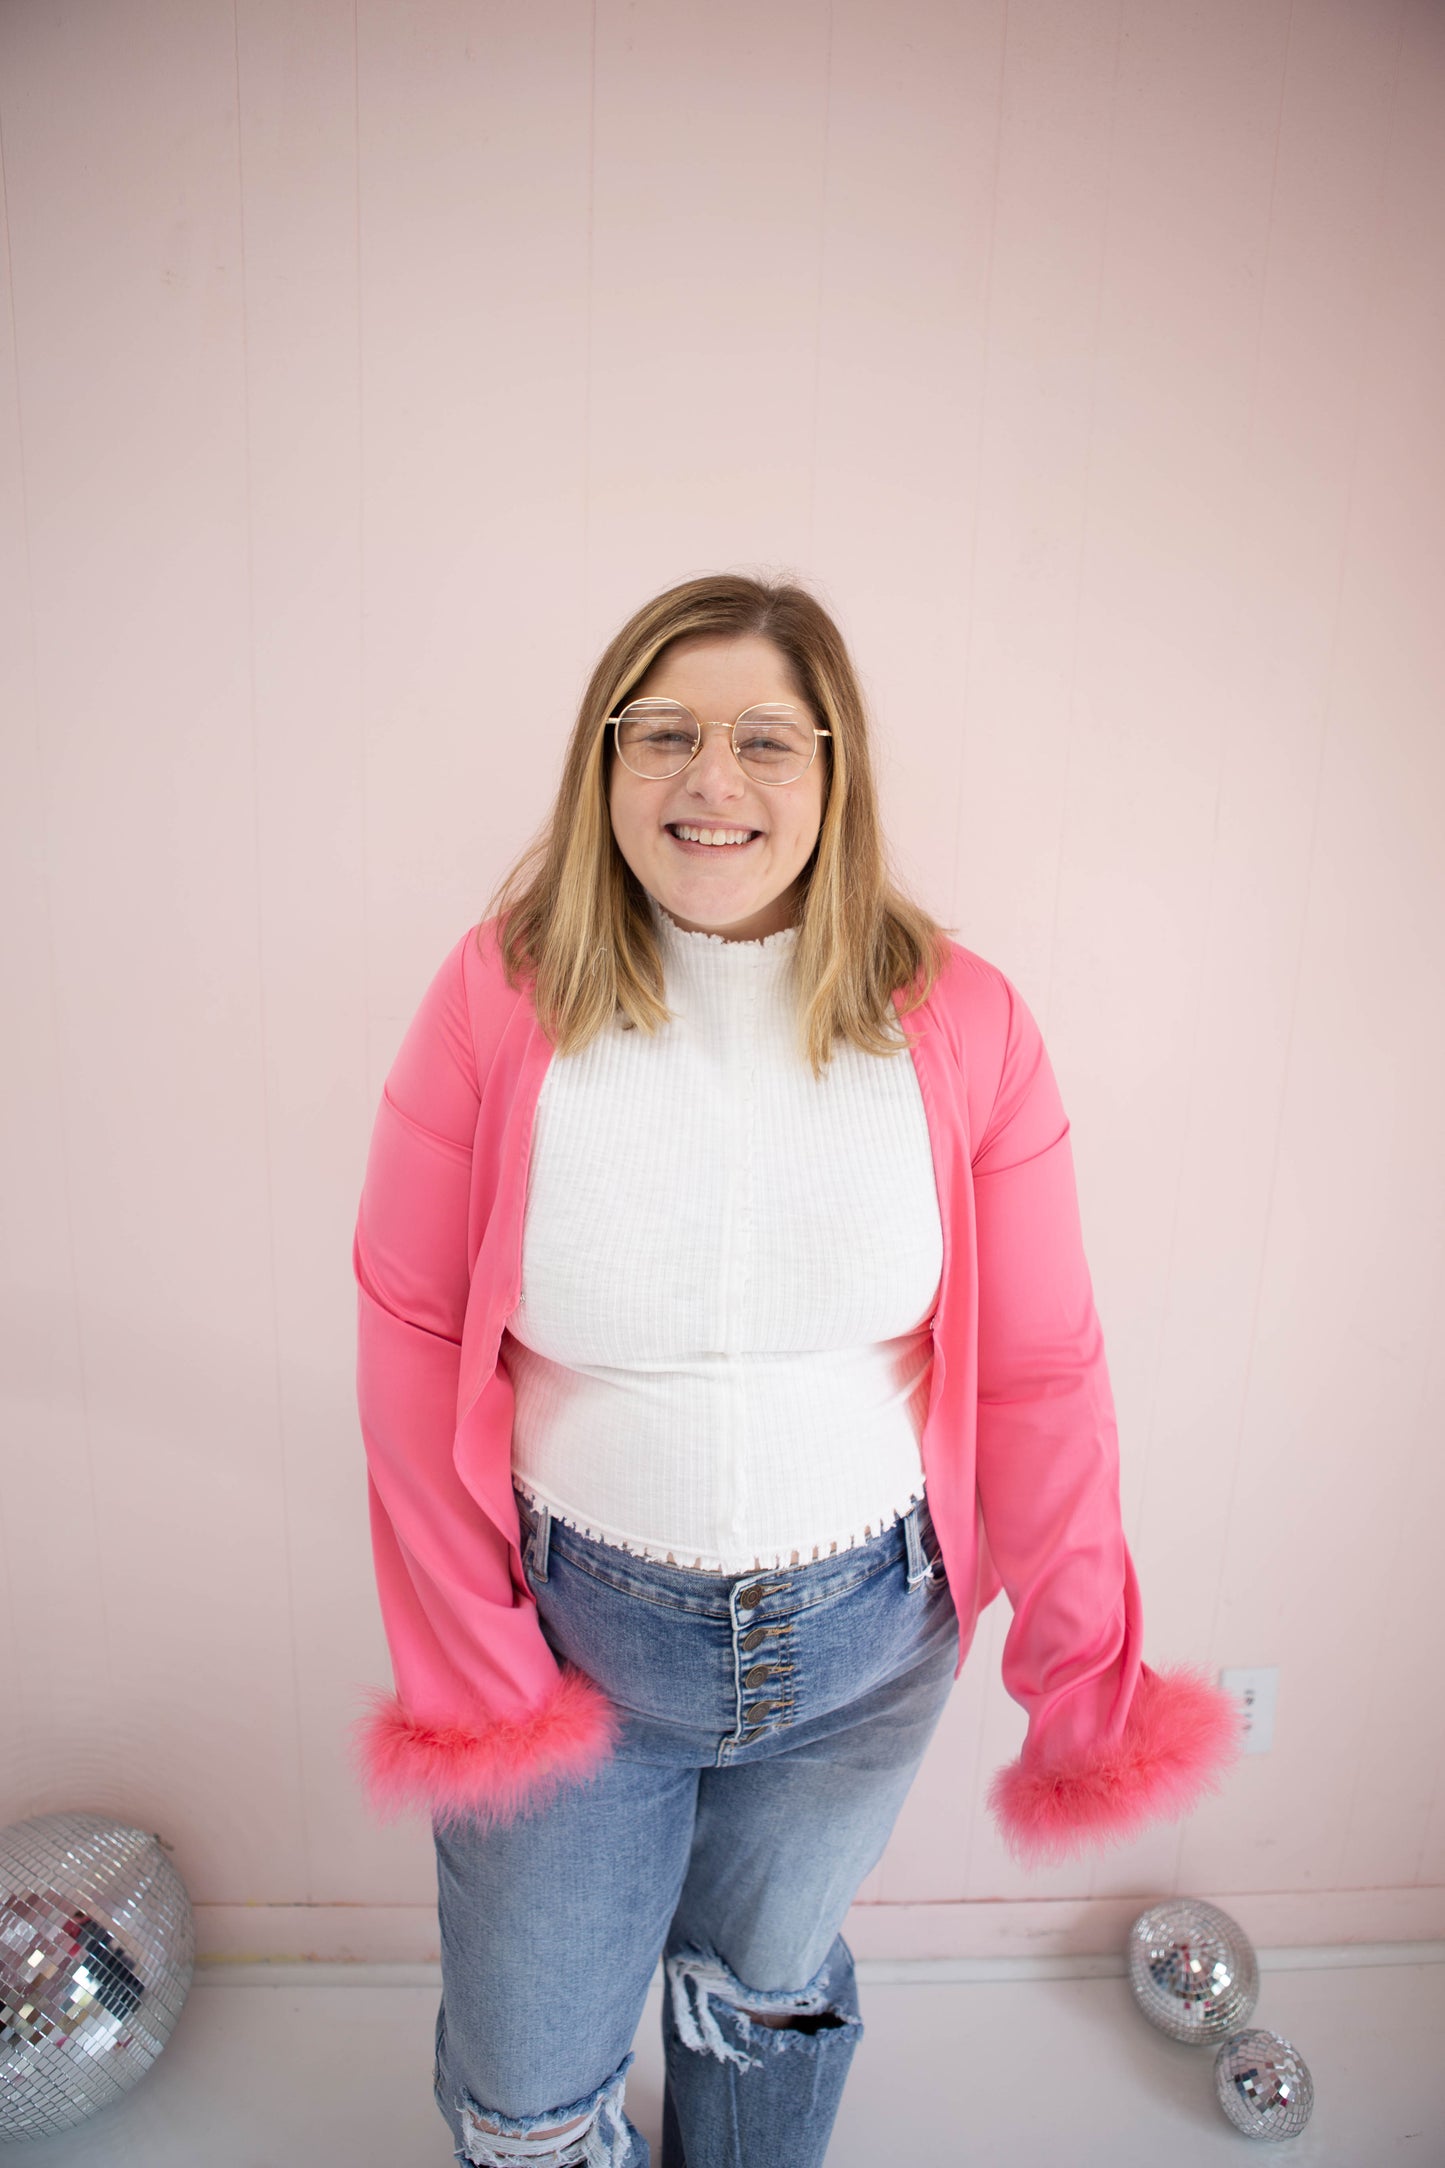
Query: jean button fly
(750, 1598)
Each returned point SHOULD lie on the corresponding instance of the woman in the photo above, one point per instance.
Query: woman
(718, 1364)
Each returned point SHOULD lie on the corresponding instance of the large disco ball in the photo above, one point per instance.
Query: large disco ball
(97, 1948)
(1192, 1970)
(1264, 2085)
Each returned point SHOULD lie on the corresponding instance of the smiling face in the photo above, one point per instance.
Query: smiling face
(742, 890)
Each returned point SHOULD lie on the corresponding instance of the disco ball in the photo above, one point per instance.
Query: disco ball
(97, 1947)
(1264, 2085)
(1192, 1970)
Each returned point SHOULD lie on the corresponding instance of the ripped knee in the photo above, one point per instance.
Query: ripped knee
(587, 2133)
(811, 2022)
(709, 2003)
(560, 2145)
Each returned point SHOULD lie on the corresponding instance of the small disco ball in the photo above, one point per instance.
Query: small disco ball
(1192, 1970)
(1264, 2085)
(97, 1948)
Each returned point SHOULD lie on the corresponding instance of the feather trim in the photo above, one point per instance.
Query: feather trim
(1180, 1738)
(486, 1773)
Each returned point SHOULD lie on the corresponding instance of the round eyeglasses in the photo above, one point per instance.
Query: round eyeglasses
(772, 741)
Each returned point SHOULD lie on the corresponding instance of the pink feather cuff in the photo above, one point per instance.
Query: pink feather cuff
(485, 1772)
(1180, 1739)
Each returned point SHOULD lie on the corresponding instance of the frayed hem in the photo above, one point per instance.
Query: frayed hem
(711, 1562)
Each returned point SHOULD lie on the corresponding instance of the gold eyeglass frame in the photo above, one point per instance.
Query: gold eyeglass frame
(661, 701)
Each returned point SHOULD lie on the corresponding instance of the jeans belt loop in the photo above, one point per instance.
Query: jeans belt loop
(919, 1568)
(541, 1545)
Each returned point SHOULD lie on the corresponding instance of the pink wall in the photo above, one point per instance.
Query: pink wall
(360, 368)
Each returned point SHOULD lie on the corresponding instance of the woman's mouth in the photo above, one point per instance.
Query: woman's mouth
(696, 838)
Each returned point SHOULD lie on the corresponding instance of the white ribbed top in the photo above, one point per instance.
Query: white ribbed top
(721, 1353)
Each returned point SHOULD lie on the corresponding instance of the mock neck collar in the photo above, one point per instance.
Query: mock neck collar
(712, 952)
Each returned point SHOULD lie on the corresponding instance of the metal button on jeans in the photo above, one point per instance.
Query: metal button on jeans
(759, 1633)
(750, 1598)
(759, 1675)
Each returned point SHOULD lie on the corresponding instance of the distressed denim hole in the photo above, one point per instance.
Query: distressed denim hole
(703, 1991)
(588, 2133)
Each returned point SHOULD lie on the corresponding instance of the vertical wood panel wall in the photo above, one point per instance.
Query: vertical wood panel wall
(361, 367)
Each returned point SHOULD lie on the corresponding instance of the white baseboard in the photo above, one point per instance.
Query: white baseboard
(1053, 1929)
(872, 1972)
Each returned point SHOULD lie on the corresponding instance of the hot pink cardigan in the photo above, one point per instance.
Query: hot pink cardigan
(1019, 1445)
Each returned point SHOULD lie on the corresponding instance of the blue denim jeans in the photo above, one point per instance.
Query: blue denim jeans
(772, 1723)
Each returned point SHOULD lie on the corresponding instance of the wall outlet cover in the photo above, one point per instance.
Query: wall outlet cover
(1255, 1687)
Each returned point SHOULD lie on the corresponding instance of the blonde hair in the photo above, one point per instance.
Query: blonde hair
(573, 917)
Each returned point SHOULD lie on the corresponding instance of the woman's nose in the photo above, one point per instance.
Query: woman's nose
(715, 767)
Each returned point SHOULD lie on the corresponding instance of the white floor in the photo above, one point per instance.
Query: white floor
(1004, 2066)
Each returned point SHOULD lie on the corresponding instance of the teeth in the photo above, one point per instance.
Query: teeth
(711, 835)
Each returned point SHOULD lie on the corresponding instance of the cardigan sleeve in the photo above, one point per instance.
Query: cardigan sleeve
(1112, 1745)
(483, 1719)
